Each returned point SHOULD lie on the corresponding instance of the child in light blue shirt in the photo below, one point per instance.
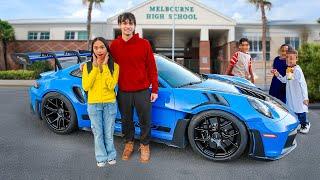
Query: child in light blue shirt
(296, 89)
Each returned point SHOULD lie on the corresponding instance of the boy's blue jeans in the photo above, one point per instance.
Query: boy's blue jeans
(102, 116)
(302, 117)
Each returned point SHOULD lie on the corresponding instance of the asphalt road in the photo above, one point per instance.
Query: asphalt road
(29, 150)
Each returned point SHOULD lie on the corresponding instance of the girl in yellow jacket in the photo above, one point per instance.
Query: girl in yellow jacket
(100, 84)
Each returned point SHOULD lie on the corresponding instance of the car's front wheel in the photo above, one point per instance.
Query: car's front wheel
(217, 135)
(58, 113)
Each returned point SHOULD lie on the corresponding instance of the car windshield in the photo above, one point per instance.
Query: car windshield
(174, 74)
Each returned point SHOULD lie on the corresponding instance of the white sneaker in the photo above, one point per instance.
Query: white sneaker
(112, 162)
(306, 129)
(299, 127)
(101, 164)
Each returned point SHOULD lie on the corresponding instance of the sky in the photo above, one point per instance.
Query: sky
(236, 9)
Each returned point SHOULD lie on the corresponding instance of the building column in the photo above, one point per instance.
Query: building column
(231, 35)
(204, 52)
(231, 40)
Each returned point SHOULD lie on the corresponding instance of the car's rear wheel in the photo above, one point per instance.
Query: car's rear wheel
(58, 113)
(217, 135)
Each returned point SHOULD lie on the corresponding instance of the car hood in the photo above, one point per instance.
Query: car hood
(231, 79)
(216, 85)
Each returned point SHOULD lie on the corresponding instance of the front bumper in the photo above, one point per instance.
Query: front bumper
(280, 144)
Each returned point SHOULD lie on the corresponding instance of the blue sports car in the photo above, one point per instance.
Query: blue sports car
(221, 117)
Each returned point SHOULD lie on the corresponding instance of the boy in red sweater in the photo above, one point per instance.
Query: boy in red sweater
(137, 72)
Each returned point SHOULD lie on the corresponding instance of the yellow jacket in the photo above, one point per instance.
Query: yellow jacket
(100, 86)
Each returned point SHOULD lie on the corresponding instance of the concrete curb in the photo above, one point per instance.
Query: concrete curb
(314, 106)
(16, 82)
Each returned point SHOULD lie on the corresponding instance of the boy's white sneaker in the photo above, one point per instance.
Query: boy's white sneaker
(112, 162)
(299, 127)
(101, 164)
(305, 129)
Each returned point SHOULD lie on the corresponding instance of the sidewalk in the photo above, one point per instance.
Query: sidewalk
(314, 106)
(26, 83)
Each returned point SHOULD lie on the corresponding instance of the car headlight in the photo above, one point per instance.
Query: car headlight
(36, 84)
(260, 107)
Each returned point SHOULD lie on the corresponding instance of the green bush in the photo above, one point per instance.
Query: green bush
(39, 67)
(17, 74)
(309, 60)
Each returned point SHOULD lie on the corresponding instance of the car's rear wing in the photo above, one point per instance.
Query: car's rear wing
(28, 58)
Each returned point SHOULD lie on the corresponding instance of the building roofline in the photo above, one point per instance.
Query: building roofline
(280, 22)
(83, 21)
(196, 2)
(51, 20)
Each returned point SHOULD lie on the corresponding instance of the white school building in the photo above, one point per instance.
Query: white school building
(205, 39)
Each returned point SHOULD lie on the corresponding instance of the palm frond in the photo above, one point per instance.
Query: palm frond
(97, 3)
(267, 4)
(85, 2)
(256, 3)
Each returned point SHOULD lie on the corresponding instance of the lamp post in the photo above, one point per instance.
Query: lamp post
(173, 29)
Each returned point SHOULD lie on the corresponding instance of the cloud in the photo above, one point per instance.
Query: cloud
(237, 16)
(295, 10)
(129, 4)
(83, 13)
(75, 8)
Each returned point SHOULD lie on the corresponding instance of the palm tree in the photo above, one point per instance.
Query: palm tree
(262, 4)
(90, 3)
(6, 35)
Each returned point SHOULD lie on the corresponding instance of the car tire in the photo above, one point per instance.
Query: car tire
(58, 113)
(217, 135)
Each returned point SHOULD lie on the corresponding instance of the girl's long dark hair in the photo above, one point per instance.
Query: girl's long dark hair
(110, 61)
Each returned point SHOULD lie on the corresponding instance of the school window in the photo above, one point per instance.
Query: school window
(69, 35)
(44, 35)
(293, 42)
(256, 48)
(32, 35)
(82, 35)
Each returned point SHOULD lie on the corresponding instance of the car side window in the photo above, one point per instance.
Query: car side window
(76, 73)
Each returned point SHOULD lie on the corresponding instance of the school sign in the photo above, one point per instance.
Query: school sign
(170, 12)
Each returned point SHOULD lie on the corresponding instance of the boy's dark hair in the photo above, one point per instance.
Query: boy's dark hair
(291, 50)
(285, 45)
(127, 16)
(243, 40)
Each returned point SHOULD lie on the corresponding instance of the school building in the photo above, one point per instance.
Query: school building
(205, 39)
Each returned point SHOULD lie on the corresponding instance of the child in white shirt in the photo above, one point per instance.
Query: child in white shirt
(296, 89)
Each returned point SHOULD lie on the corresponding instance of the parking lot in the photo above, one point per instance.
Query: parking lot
(29, 150)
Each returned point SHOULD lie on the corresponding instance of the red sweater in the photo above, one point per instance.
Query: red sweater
(137, 64)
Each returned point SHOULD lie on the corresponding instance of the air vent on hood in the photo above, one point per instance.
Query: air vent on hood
(251, 93)
(214, 99)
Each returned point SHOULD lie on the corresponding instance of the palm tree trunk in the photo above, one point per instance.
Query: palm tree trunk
(264, 43)
(89, 23)
(5, 55)
(2, 65)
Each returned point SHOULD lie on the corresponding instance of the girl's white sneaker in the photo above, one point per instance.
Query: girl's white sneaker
(112, 162)
(101, 164)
